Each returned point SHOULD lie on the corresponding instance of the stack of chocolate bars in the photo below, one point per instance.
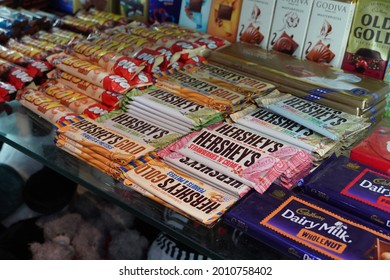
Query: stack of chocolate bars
(346, 92)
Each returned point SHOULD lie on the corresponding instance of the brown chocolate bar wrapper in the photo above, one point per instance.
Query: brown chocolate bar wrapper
(311, 78)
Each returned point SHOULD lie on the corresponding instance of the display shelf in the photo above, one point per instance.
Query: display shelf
(34, 137)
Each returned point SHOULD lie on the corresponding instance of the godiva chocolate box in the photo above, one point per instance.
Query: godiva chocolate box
(369, 40)
(289, 26)
(359, 189)
(316, 80)
(328, 31)
(303, 228)
(255, 22)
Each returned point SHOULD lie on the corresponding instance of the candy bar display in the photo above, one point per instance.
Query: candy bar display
(304, 228)
(368, 44)
(359, 189)
(313, 79)
(255, 22)
(333, 124)
(328, 31)
(217, 125)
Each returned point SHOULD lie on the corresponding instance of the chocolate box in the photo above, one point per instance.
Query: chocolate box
(289, 26)
(303, 228)
(194, 14)
(359, 189)
(316, 80)
(255, 22)
(328, 31)
(369, 40)
(163, 11)
(224, 18)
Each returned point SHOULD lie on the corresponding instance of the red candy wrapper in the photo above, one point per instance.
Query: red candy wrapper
(142, 80)
(7, 92)
(15, 75)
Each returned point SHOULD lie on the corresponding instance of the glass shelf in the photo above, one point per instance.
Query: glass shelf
(34, 137)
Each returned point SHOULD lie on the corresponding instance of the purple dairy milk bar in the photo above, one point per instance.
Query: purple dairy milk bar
(304, 228)
(359, 189)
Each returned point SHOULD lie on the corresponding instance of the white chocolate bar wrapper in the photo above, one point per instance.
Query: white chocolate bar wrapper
(110, 144)
(176, 127)
(176, 106)
(139, 129)
(139, 106)
(329, 122)
(206, 174)
(280, 127)
(199, 200)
